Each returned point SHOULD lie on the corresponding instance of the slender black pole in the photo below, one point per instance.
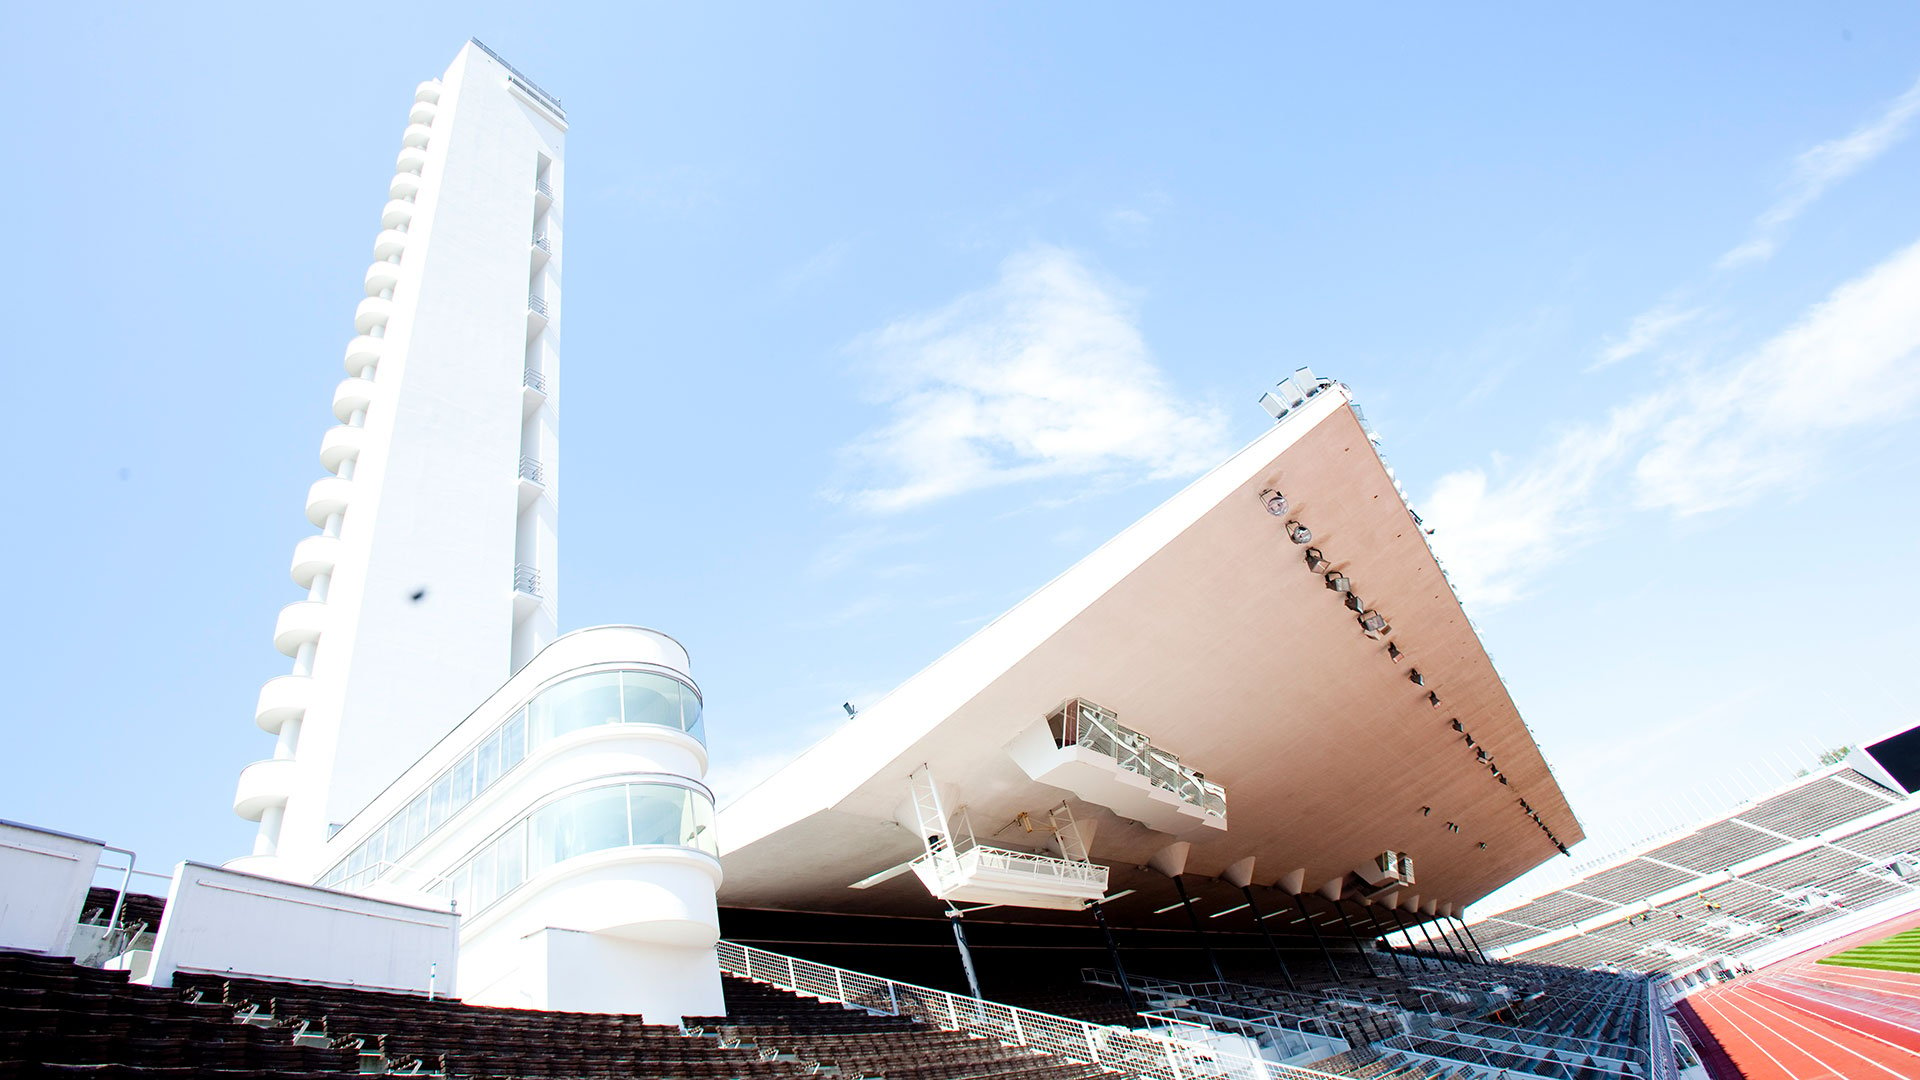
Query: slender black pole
(1379, 932)
(1260, 921)
(1408, 934)
(1341, 910)
(1205, 946)
(1460, 942)
(1476, 943)
(966, 954)
(1113, 954)
(1431, 947)
(1300, 902)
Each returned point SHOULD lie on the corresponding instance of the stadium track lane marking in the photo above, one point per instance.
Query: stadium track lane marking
(1783, 996)
(1731, 1035)
(1761, 1006)
(1908, 988)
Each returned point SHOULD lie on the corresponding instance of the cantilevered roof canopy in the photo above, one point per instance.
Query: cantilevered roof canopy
(1203, 627)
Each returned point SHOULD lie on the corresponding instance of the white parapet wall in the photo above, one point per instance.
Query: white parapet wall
(222, 922)
(44, 877)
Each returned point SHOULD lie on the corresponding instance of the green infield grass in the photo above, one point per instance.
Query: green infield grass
(1901, 952)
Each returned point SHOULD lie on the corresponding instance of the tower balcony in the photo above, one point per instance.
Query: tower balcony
(533, 481)
(428, 91)
(340, 443)
(328, 496)
(404, 185)
(362, 351)
(371, 312)
(542, 196)
(537, 314)
(263, 784)
(396, 213)
(382, 276)
(423, 112)
(353, 395)
(282, 699)
(299, 623)
(412, 159)
(417, 135)
(388, 243)
(526, 591)
(542, 250)
(313, 556)
(533, 391)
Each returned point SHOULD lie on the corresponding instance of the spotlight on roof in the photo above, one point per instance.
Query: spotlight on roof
(1416, 678)
(1457, 725)
(848, 705)
(1276, 503)
(1316, 561)
(1425, 810)
(1373, 622)
(1299, 533)
(1338, 582)
(1483, 845)
(1484, 756)
(1354, 603)
(1393, 652)
(1433, 699)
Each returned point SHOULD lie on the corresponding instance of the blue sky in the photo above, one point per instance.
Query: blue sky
(1631, 293)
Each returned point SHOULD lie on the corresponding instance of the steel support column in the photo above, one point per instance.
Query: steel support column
(1113, 954)
(1192, 917)
(1476, 942)
(1300, 902)
(1340, 909)
(966, 954)
(1260, 921)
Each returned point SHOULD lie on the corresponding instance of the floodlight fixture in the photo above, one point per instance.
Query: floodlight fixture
(1276, 503)
(1316, 561)
(1393, 652)
(1416, 678)
(1354, 603)
(1373, 622)
(1299, 533)
(1339, 582)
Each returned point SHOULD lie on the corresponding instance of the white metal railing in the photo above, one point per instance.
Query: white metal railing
(530, 469)
(543, 188)
(1101, 731)
(533, 380)
(1144, 1054)
(543, 243)
(537, 305)
(526, 579)
(954, 869)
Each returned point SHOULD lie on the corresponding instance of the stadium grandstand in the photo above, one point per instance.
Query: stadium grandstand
(1209, 805)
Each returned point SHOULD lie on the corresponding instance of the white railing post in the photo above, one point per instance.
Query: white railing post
(1019, 1034)
(792, 982)
(893, 994)
(953, 1013)
(839, 984)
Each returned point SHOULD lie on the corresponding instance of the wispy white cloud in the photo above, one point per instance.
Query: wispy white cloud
(1761, 424)
(1647, 330)
(1821, 167)
(1043, 374)
(819, 266)
(1715, 437)
(858, 548)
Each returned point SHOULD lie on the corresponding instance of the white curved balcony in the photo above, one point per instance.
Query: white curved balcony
(362, 351)
(282, 699)
(297, 624)
(423, 112)
(396, 213)
(382, 276)
(313, 556)
(328, 496)
(416, 135)
(412, 159)
(428, 91)
(389, 243)
(263, 784)
(405, 185)
(339, 444)
(371, 312)
(353, 395)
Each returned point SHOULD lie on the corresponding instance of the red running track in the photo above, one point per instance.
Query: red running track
(1800, 1020)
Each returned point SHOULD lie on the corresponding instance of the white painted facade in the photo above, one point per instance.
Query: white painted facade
(45, 876)
(433, 575)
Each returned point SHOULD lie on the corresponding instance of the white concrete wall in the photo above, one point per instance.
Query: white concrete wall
(44, 877)
(435, 504)
(221, 922)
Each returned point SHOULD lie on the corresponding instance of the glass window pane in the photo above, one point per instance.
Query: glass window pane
(439, 796)
(462, 775)
(657, 810)
(690, 720)
(651, 699)
(513, 741)
(484, 886)
(513, 858)
(698, 824)
(486, 764)
(416, 820)
(578, 703)
(463, 888)
(590, 821)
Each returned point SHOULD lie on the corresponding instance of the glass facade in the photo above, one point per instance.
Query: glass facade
(584, 701)
(654, 813)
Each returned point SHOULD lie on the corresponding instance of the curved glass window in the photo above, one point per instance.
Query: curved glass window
(598, 819)
(584, 701)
